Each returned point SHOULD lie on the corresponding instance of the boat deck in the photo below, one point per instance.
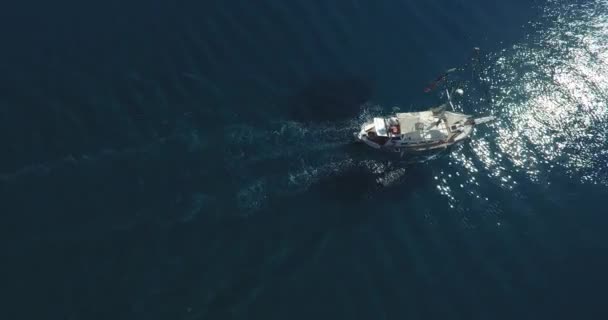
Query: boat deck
(422, 126)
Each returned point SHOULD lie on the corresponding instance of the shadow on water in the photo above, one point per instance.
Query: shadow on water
(329, 98)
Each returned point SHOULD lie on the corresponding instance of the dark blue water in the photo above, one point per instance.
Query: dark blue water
(185, 160)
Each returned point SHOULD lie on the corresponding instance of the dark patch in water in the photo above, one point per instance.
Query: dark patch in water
(348, 187)
(327, 99)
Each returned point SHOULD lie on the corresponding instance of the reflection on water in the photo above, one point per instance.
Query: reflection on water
(549, 94)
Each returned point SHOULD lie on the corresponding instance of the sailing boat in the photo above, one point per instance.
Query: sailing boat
(435, 129)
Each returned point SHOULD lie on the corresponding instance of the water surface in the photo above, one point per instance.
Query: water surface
(195, 161)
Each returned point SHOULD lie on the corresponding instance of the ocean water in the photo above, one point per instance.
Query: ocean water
(186, 160)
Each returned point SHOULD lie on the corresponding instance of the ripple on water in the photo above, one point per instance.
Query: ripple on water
(550, 94)
(552, 91)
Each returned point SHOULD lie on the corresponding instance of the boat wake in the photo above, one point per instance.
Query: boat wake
(245, 171)
(290, 158)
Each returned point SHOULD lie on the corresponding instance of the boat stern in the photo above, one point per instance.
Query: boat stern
(373, 133)
(365, 128)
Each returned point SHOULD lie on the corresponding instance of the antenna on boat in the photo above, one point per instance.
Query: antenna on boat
(449, 99)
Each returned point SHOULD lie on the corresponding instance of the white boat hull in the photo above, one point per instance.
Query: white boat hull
(418, 132)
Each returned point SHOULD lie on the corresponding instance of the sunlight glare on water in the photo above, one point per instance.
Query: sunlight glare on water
(549, 94)
(555, 111)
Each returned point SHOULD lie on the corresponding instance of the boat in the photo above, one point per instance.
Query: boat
(431, 130)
